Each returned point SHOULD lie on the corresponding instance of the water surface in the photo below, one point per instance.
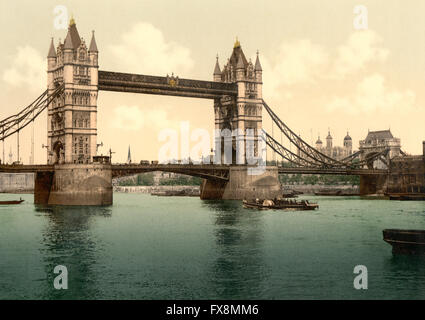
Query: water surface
(146, 247)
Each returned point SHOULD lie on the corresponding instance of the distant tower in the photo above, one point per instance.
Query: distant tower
(243, 112)
(129, 155)
(329, 141)
(71, 120)
(348, 145)
(319, 143)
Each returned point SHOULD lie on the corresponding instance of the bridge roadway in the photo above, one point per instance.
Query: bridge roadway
(205, 171)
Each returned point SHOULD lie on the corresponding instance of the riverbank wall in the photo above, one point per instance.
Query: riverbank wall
(16, 182)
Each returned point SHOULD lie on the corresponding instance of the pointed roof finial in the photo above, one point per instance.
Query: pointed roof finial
(217, 70)
(72, 21)
(93, 45)
(237, 43)
(257, 63)
(52, 51)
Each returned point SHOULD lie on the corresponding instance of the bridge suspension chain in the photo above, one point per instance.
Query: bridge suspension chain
(315, 155)
(287, 154)
(19, 121)
(312, 157)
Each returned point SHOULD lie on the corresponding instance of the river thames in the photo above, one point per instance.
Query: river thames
(147, 247)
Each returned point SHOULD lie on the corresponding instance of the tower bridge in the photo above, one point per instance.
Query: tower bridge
(73, 176)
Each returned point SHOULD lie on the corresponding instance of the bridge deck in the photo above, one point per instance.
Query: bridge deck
(138, 83)
(204, 170)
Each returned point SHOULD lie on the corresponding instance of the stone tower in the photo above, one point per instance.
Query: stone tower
(319, 143)
(238, 114)
(348, 145)
(329, 142)
(72, 117)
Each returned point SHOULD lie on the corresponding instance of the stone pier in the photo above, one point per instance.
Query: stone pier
(75, 184)
(242, 185)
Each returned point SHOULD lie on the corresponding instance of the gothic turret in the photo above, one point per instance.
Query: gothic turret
(217, 71)
(52, 51)
(93, 45)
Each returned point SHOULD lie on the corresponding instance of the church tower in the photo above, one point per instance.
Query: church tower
(72, 117)
(241, 115)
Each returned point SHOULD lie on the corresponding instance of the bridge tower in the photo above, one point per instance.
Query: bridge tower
(72, 117)
(241, 112)
(72, 128)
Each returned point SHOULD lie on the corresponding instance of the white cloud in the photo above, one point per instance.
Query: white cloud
(371, 95)
(133, 118)
(296, 62)
(144, 49)
(27, 68)
(361, 48)
(302, 62)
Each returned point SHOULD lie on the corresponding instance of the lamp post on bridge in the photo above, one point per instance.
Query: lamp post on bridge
(110, 155)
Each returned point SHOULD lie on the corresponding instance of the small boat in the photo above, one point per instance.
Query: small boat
(12, 201)
(405, 241)
(406, 196)
(280, 204)
(289, 194)
(328, 193)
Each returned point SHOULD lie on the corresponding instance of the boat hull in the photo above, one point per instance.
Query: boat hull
(11, 202)
(405, 241)
(288, 207)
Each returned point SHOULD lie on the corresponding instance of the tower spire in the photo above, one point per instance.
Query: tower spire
(257, 63)
(217, 70)
(93, 45)
(52, 51)
(237, 43)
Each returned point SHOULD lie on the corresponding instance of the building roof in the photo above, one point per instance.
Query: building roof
(217, 68)
(329, 135)
(52, 51)
(318, 140)
(93, 45)
(379, 135)
(236, 55)
(240, 64)
(347, 137)
(73, 39)
(258, 64)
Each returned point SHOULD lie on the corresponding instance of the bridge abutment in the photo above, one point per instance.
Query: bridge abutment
(75, 184)
(244, 185)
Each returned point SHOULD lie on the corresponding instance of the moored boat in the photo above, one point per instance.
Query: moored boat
(12, 201)
(406, 196)
(405, 241)
(287, 204)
